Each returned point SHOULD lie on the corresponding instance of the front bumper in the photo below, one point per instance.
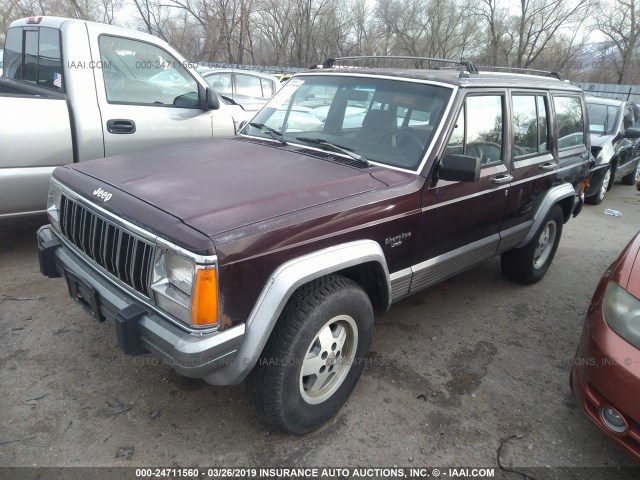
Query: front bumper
(138, 328)
(606, 373)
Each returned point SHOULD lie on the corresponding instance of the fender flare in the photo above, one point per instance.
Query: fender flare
(276, 293)
(553, 196)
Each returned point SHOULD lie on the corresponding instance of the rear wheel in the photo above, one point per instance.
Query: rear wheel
(530, 263)
(315, 355)
(633, 177)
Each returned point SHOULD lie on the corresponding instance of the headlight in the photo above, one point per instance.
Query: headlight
(53, 204)
(180, 271)
(622, 313)
(185, 289)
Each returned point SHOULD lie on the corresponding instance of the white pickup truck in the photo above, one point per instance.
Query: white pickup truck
(73, 91)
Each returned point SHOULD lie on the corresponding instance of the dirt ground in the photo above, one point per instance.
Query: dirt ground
(454, 372)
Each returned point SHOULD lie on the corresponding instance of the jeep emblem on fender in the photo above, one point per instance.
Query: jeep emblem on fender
(100, 193)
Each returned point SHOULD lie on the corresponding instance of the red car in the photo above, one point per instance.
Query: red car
(606, 370)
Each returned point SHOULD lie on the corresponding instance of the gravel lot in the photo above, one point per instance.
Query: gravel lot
(454, 371)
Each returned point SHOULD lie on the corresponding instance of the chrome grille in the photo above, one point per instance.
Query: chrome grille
(120, 253)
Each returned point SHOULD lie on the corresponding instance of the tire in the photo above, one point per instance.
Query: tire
(325, 320)
(529, 264)
(632, 177)
(602, 189)
(614, 168)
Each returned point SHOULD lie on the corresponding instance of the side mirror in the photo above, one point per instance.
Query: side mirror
(459, 168)
(213, 102)
(631, 133)
(208, 99)
(242, 124)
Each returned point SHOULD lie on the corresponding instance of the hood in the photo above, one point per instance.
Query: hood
(600, 141)
(219, 185)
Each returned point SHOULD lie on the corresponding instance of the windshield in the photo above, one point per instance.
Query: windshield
(603, 119)
(385, 121)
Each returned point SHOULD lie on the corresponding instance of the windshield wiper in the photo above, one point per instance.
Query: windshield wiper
(272, 132)
(335, 147)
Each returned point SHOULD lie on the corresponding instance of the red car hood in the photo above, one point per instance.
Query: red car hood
(219, 185)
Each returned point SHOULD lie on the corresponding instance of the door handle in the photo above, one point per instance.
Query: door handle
(585, 155)
(502, 179)
(120, 126)
(547, 166)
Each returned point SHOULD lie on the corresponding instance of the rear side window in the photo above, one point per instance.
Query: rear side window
(529, 125)
(268, 88)
(221, 83)
(248, 85)
(33, 55)
(569, 121)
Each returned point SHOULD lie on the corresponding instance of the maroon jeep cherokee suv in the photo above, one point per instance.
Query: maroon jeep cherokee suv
(263, 257)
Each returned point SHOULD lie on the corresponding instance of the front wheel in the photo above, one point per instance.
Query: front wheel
(530, 263)
(633, 177)
(602, 190)
(314, 356)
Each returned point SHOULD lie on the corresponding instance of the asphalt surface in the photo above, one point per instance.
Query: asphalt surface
(455, 372)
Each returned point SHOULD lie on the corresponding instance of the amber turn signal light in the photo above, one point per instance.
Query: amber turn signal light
(584, 186)
(204, 309)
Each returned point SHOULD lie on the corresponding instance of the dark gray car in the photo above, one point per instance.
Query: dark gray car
(615, 145)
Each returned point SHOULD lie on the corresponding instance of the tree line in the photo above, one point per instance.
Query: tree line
(542, 34)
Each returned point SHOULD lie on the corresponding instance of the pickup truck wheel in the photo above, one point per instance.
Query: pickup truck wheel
(602, 190)
(530, 263)
(632, 177)
(314, 356)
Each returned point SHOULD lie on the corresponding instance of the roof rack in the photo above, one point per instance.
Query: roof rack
(548, 73)
(469, 66)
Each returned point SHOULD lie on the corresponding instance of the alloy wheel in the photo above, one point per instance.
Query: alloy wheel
(328, 359)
